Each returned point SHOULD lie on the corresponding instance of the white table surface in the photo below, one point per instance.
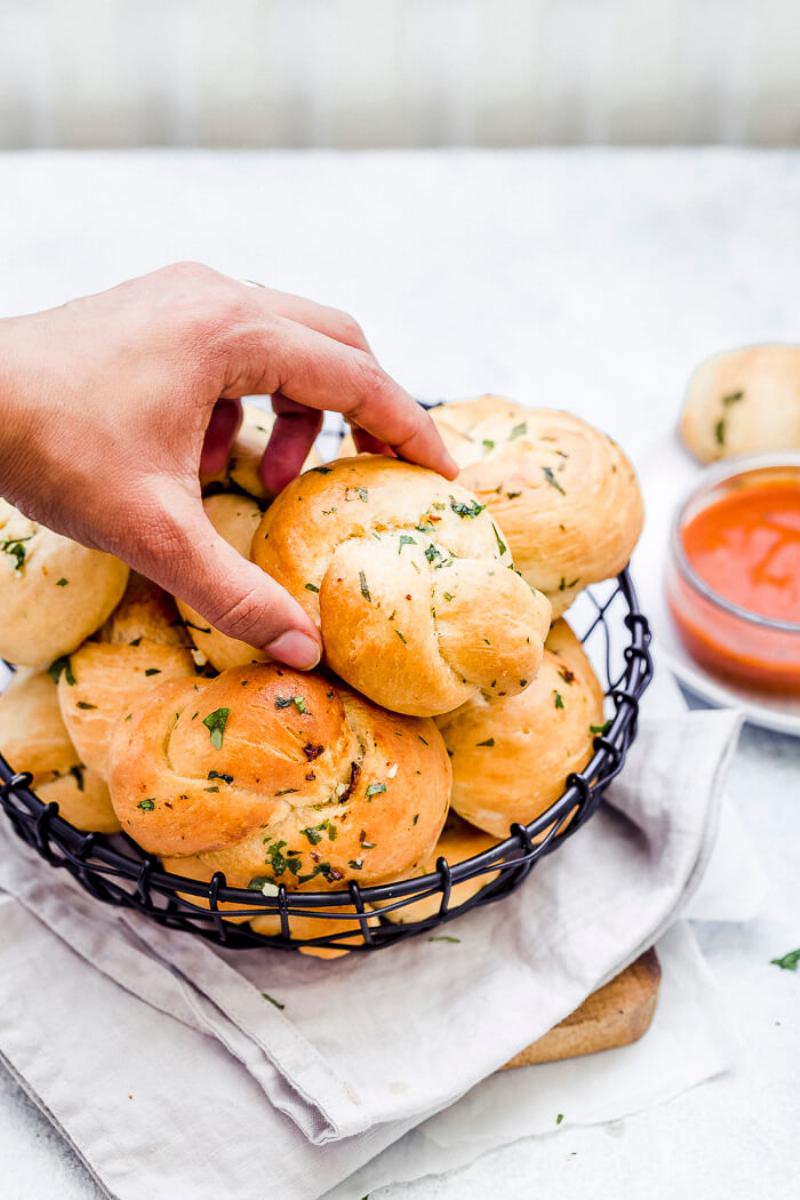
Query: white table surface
(591, 280)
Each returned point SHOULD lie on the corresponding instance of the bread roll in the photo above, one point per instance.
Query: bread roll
(54, 592)
(243, 469)
(564, 494)
(743, 402)
(269, 925)
(275, 776)
(459, 841)
(236, 519)
(142, 645)
(33, 738)
(511, 758)
(409, 580)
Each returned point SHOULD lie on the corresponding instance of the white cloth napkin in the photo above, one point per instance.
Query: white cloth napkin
(234, 1096)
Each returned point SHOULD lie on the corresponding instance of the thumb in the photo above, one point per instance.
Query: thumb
(233, 594)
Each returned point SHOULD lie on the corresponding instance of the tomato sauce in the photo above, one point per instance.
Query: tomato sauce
(746, 547)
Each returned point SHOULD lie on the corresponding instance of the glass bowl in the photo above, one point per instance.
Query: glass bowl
(724, 638)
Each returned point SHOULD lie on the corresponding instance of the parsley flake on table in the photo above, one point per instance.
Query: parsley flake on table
(215, 723)
(788, 962)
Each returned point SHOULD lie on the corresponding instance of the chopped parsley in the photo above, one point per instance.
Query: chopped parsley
(77, 775)
(356, 863)
(15, 548)
(215, 723)
(463, 508)
(287, 701)
(732, 398)
(559, 1118)
(266, 995)
(263, 884)
(518, 431)
(402, 637)
(282, 862)
(600, 729)
(62, 582)
(566, 585)
(375, 789)
(719, 431)
(361, 493)
(422, 739)
(311, 587)
(549, 475)
(559, 699)
(788, 962)
(501, 546)
(146, 805)
(314, 832)
(220, 775)
(153, 671)
(362, 579)
(61, 665)
(489, 742)
(406, 540)
(445, 937)
(487, 444)
(86, 704)
(448, 595)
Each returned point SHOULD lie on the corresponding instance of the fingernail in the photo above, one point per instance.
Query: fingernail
(296, 650)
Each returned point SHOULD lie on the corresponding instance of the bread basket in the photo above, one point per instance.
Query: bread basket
(116, 871)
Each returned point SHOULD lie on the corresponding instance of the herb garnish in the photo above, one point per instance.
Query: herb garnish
(489, 742)
(356, 863)
(559, 1118)
(146, 805)
(518, 431)
(85, 704)
(15, 548)
(362, 579)
(789, 962)
(62, 582)
(551, 479)
(444, 937)
(215, 723)
(733, 398)
(220, 775)
(361, 492)
(719, 431)
(375, 789)
(501, 546)
(600, 729)
(406, 540)
(153, 671)
(311, 587)
(61, 665)
(559, 700)
(402, 637)
(287, 701)
(462, 508)
(314, 832)
(280, 862)
(566, 585)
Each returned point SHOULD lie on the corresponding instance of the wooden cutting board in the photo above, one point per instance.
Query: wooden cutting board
(614, 1015)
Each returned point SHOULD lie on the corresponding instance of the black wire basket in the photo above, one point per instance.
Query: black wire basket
(115, 870)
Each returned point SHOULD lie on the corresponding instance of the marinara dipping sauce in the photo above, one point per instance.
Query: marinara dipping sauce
(734, 581)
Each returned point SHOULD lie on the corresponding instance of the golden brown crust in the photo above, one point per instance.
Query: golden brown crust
(564, 493)
(458, 842)
(511, 758)
(306, 784)
(408, 578)
(235, 518)
(33, 738)
(743, 402)
(54, 592)
(141, 645)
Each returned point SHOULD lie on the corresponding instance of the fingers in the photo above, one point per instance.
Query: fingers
(193, 562)
(318, 372)
(295, 430)
(226, 417)
(365, 443)
(331, 321)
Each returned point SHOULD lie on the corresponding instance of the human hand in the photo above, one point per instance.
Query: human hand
(112, 404)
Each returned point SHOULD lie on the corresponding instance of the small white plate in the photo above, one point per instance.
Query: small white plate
(667, 473)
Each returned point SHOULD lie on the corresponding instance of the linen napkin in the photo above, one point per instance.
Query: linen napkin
(366, 1047)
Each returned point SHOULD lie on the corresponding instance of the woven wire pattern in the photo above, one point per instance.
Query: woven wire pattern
(117, 871)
